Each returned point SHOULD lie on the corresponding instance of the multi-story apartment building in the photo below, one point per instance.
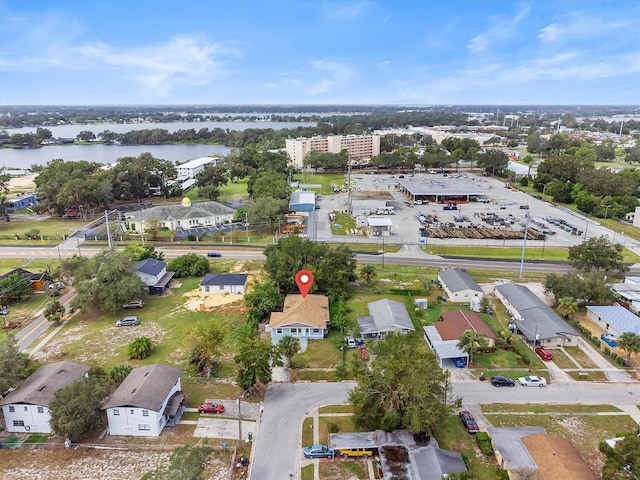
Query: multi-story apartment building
(359, 147)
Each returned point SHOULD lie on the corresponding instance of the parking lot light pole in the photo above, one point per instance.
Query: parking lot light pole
(524, 245)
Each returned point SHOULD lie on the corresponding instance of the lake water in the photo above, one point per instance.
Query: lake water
(71, 131)
(24, 158)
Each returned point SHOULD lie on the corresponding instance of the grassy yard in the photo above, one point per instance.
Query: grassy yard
(307, 432)
(561, 359)
(580, 357)
(592, 376)
(91, 337)
(339, 470)
(306, 473)
(532, 252)
(52, 229)
(544, 408)
(453, 436)
(344, 424)
(326, 180)
(336, 409)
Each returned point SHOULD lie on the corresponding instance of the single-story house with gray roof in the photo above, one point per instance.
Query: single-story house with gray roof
(533, 318)
(178, 216)
(459, 286)
(385, 316)
(614, 319)
(149, 399)
(154, 275)
(224, 283)
(401, 458)
(26, 409)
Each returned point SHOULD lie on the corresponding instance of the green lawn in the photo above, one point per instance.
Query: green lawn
(580, 357)
(307, 432)
(306, 473)
(453, 436)
(336, 409)
(91, 337)
(544, 408)
(561, 359)
(344, 425)
(532, 252)
(52, 229)
(326, 180)
(341, 469)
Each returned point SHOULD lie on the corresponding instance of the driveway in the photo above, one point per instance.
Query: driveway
(277, 449)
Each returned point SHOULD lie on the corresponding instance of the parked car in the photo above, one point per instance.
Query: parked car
(500, 381)
(214, 254)
(459, 362)
(356, 452)
(56, 286)
(532, 381)
(4, 311)
(543, 354)
(318, 451)
(350, 341)
(134, 304)
(127, 321)
(469, 422)
(210, 407)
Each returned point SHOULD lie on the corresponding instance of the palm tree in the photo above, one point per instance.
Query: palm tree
(368, 274)
(630, 343)
(567, 306)
(468, 343)
(289, 346)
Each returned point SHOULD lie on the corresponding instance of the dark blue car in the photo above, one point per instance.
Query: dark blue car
(214, 254)
(459, 362)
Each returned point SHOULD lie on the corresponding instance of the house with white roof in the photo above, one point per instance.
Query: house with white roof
(149, 399)
(614, 319)
(379, 226)
(26, 409)
(193, 167)
(385, 316)
(179, 216)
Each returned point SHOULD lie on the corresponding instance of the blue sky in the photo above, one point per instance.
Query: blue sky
(115, 52)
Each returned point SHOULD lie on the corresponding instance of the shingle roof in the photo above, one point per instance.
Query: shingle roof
(150, 266)
(539, 320)
(41, 386)
(145, 387)
(225, 279)
(178, 211)
(457, 280)
(619, 317)
(389, 313)
(312, 310)
(456, 322)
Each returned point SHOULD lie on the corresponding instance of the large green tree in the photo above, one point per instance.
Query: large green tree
(404, 387)
(597, 253)
(206, 341)
(190, 265)
(142, 252)
(262, 299)
(255, 359)
(133, 176)
(587, 288)
(14, 365)
(75, 409)
(105, 281)
(333, 268)
(623, 461)
(14, 287)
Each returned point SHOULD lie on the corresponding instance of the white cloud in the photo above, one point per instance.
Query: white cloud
(502, 27)
(181, 60)
(339, 74)
(581, 26)
(346, 11)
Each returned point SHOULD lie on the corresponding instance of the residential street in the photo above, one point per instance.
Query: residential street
(277, 450)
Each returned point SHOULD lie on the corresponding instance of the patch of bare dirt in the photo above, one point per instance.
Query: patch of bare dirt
(81, 464)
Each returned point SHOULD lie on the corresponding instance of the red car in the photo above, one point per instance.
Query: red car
(209, 407)
(543, 354)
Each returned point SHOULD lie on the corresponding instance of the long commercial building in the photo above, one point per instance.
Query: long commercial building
(359, 147)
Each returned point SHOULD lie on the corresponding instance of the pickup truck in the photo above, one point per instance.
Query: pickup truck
(356, 452)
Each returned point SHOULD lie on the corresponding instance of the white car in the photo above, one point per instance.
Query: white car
(532, 381)
(350, 341)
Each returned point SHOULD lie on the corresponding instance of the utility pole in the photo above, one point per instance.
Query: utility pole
(240, 422)
(524, 245)
(349, 180)
(106, 221)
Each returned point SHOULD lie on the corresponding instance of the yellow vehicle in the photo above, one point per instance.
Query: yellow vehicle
(356, 452)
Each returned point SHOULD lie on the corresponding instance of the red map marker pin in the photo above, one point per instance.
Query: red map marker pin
(304, 279)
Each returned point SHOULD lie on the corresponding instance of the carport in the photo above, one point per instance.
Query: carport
(443, 349)
(443, 189)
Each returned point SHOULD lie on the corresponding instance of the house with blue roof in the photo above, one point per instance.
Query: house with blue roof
(154, 275)
(224, 283)
(614, 319)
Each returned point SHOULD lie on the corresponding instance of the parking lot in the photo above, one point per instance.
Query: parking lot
(507, 207)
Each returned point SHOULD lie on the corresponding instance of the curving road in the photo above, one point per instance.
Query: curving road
(277, 449)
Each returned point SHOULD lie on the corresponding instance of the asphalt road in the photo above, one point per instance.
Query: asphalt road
(277, 451)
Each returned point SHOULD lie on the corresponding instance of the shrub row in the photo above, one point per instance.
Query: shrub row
(484, 443)
(595, 341)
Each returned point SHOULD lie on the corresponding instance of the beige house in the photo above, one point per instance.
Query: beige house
(302, 318)
(181, 216)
